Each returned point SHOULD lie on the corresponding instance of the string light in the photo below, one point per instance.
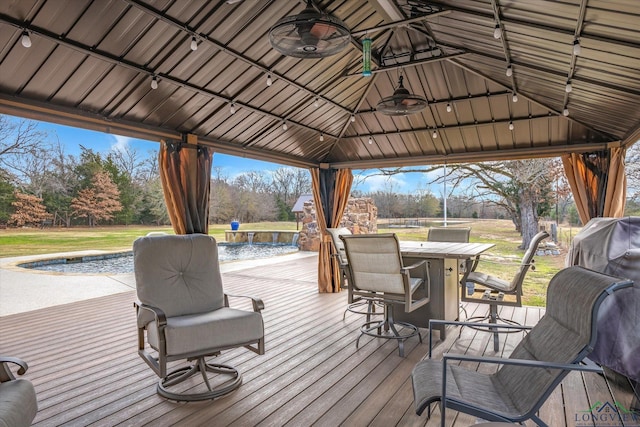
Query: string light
(370, 141)
(284, 125)
(568, 88)
(434, 134)
(316, 102)
(353, 118)
(514, 98)
(321, 137)
(577, 49)
(511, 126)
(232, 108)
(497, 32)
(154, 83)
(194, 43)
(25, 39)
(509, 71)
(269, 81)
(565, 112)
(449, 109)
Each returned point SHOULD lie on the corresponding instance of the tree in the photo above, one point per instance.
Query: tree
(523, 188)
(20, 143)
(98, 202)
(29, 210)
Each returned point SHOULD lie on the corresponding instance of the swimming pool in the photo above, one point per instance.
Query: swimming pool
(122, 262)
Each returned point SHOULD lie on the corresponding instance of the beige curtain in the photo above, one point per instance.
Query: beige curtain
(598, 182)
(185, 173)
(331, 190)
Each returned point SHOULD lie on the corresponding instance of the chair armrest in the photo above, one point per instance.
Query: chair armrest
(158, 314)
(406, 269)
(257, 303)
(5, 372)
(473, 324)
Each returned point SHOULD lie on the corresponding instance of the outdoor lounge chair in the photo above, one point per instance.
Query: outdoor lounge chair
(376, 273)
(560, 341)
(18, 403)
(493, 289)
(184, 314)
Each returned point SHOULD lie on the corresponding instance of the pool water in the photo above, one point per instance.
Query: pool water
(123, 262)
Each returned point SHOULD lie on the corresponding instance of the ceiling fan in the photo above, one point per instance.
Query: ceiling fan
(310, 34)
(401, 103)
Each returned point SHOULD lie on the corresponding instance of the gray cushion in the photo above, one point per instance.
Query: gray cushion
(178, 274)
(219, 329)
(18, 404)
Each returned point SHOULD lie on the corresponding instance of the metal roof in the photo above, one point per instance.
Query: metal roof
(91, 64)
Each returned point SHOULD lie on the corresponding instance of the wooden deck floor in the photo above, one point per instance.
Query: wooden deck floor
(86, 371)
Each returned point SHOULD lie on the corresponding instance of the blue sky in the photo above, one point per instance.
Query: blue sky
(231, 166)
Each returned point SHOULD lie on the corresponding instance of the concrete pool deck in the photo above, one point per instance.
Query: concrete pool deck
(24, 289)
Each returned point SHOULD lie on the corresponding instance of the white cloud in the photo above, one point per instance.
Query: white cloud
(396, 183)
(121, 142)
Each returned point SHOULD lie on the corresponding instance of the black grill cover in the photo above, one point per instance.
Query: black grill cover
(612, 246)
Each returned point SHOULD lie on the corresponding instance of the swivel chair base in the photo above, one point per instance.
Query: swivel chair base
(232, 381)
(364, 306)
(387, 329)
(493, 318)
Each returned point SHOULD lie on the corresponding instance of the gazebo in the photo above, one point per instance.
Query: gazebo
(443, 82)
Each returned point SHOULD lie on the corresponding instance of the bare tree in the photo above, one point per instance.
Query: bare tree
(25, 153)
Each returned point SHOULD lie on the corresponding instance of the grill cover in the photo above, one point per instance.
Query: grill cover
(612, 246)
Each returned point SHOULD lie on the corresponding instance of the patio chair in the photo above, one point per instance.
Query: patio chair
(18, 403)
(449, 234)
(184, 314)
(560, 341)
(358, 305)
(493, 289)
(376, 273)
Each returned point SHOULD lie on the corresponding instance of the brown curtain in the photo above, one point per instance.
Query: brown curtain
(331, 189)
(598, 182)
(185, 172)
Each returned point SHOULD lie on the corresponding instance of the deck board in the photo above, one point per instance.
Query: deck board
(83, 362)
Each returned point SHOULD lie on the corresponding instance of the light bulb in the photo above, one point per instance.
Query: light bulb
(25, 39)
(154, 83)
(269, 81)
(497, 32)
(353, 118)
(509, 71)
(370, 141)
(511, 126)
(194, 43)
(514, 98)
(568, 88)
(321, 137)
(284, 125)
(232, 108)
(577, 49)
(316, 102)
(565, 112)
(434, 134)
(449, 109)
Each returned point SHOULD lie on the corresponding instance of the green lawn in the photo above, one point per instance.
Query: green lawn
(502, 260)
